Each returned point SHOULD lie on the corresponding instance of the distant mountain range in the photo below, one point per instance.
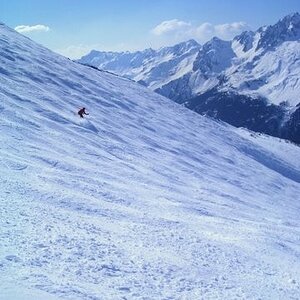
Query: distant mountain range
(153, 68)
(252, 81)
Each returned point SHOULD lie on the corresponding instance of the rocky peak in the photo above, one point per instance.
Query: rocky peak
(286, 29)
(214, 57)
(246, 39)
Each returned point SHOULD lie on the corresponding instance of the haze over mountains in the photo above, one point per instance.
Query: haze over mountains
(251, 81)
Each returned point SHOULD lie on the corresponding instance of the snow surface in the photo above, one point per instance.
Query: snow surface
(143, 199)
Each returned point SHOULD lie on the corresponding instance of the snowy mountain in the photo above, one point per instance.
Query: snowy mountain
(271, 66)
(212, 59)
(263, 66)
(143, 199)
(153, 68)
(287, 29)
(261, 89)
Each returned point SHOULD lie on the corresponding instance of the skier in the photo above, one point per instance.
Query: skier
(82, 112)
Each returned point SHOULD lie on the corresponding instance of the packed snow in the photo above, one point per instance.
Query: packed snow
(142, 199)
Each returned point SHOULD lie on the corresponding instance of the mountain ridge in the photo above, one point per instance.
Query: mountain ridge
(261, 65)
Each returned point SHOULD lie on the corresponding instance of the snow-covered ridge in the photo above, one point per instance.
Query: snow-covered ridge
(152, 67)
(214, 57)
(275, 75)
(262, 63)
(142, 199)
(287, 29)
(270, 62)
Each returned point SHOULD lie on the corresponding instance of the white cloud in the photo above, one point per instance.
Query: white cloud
(170, 26)
(34, 28)
(228, 31)
(173, 31)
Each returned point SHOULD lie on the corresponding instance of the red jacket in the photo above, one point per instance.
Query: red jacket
(82, 112)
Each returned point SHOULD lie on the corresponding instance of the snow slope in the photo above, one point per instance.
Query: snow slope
(143, 199)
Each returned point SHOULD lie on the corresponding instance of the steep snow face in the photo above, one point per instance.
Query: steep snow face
(152, 67)
(273, 75)
(142, 199)
(269, 62)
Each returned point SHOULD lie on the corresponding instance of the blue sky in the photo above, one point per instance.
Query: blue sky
(74, 27)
